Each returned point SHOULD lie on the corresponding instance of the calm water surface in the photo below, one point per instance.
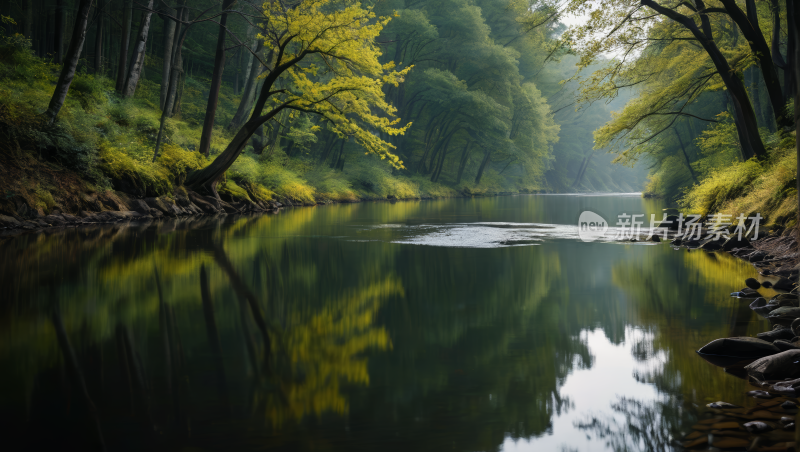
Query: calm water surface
(464, 324)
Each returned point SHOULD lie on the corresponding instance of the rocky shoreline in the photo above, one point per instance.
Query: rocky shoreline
(770, 362)
(118, 207)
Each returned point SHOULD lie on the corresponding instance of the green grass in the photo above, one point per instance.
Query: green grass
(767, 188)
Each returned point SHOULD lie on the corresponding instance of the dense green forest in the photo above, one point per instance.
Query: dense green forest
(477, 95)
(416, 99)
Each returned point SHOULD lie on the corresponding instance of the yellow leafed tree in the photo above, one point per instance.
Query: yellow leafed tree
(323, 59)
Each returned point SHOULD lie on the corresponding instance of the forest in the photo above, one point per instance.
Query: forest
(274, 102)
(445, 99)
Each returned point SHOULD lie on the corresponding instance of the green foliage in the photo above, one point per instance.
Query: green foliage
(721, 186)
(147, 176)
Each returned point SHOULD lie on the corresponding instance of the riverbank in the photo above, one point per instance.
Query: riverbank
(768, 361)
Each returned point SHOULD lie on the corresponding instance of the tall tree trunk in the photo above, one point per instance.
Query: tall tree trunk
(685, 157)
(487, 157)
(70, 61)
(748, 24)
(216, 82)
(462, 164)
(27, 23)
(792, 49)
(254, 69)
(335, 161)
(755, 93)
(238, 71)
(124, 42)
(98, 42)
(793, 16)
(169, 41)
(60, 23)
(175, 72)
(137, 59)
(437, 170)
(751, 140)
(49, 36)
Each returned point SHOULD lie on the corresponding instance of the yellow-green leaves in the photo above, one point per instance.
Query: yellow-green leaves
(340, 76)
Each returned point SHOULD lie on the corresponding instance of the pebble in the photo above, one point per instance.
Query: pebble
(761, 395)
(722, 405)
(789, 405)
(757, 427)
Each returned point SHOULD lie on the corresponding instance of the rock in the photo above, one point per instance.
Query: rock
(785, 315)
(739, 348)
(757, 427)
(160, 205)
(9, 222)
(784, 345)
(787, 303)
(789, 405)
(767, 284)
(228, 208)
(206, 204)
(734, 242)
(676, 242)
(786, 420)
(783, 284)
(777, 332)
(727, 442)
(761, 395)
(654, 238)
(711, 245)
(752, 283)
(789, 426)
(757, 256)
(722, 405)
(140, 206)
(776, 367)
(759, 302)
(172, 209)
(54, 220)
(71, 219)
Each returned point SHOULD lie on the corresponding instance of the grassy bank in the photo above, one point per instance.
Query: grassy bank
(767, 187)
(102, 143)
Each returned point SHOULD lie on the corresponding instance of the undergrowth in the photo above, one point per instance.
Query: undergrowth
(767, 188)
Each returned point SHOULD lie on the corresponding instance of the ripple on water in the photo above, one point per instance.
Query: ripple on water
(486, 234)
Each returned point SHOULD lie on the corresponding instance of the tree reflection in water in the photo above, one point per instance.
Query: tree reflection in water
(639, 426)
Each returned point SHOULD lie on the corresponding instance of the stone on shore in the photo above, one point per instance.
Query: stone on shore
(752, 283)
(739, 347)
(777, 332)
(776, 367)
(757, 427)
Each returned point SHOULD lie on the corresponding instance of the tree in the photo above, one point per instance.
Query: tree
(137, 58)
(70, 60)
(125, 38)
(631, 27)
(331, 59)
(216, 82)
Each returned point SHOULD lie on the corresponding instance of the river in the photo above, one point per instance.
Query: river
(461, 324)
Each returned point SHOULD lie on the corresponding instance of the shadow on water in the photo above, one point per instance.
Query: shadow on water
(313, 329)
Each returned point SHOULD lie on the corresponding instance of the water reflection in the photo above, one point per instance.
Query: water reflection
(315, 329)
